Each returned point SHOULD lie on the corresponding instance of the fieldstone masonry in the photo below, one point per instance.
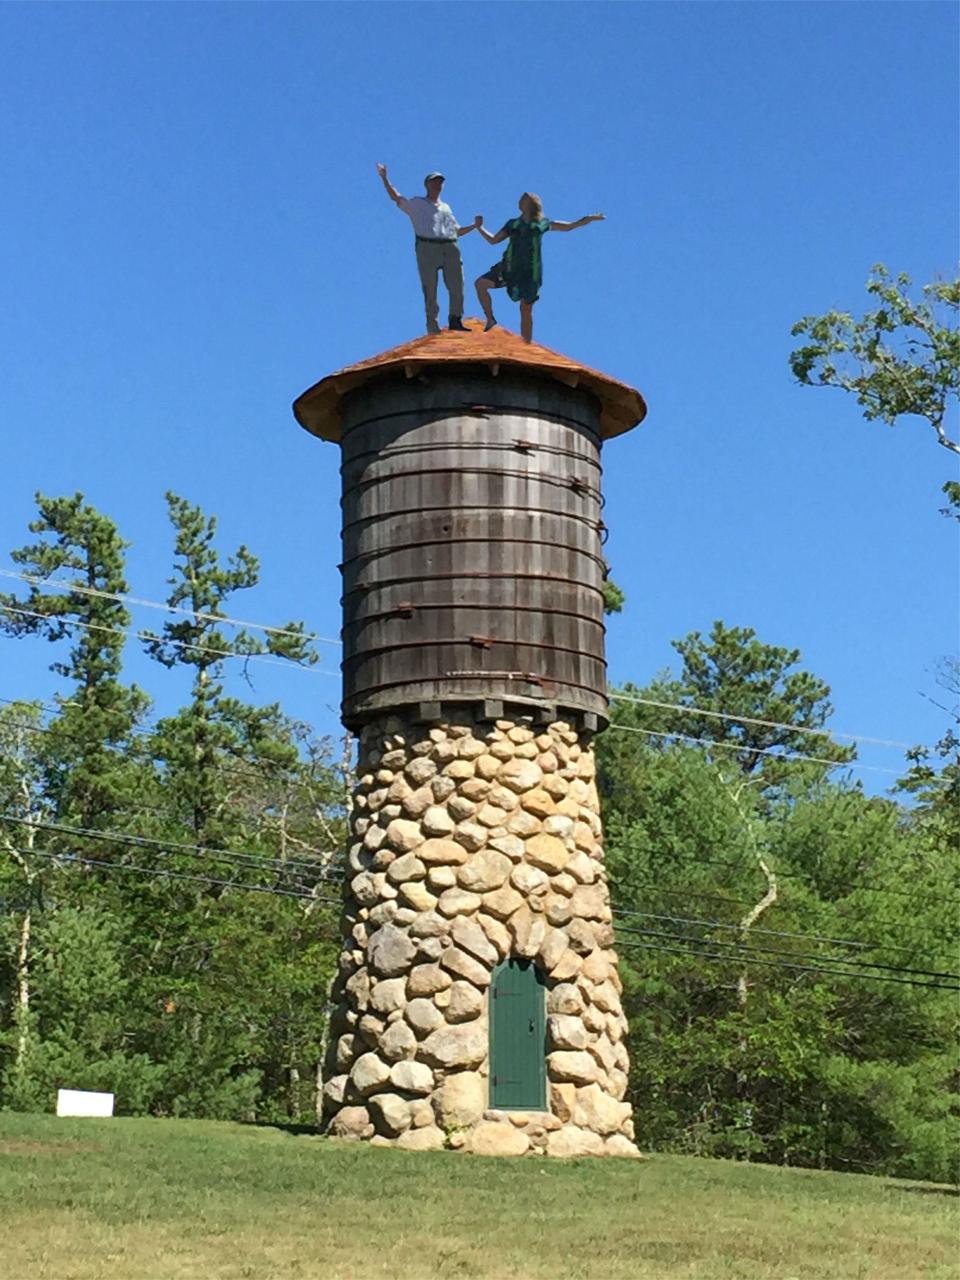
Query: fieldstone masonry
(471, 842)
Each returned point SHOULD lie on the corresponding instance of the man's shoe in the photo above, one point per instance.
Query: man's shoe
(456, 322)
(433, 328)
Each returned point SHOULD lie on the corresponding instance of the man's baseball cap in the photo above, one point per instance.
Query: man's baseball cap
(430, 176)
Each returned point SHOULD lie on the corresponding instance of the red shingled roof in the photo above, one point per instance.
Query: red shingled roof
(318, 409)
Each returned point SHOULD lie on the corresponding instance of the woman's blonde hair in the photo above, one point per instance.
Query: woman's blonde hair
(536, 202)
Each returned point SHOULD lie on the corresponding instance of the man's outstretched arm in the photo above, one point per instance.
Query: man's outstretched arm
(465, 231)
(580, 222)
(392, 192)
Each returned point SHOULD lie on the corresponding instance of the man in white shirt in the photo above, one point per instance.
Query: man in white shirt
(437, 234)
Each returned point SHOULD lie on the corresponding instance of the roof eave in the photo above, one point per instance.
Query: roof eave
(317, 409)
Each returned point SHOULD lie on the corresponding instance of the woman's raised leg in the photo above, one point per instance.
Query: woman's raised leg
(482, 286)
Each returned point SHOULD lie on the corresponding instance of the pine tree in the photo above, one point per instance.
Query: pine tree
(213, 730)
(240, 984)
(82, 553)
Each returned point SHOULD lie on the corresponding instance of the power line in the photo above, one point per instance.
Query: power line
(686, 893)
(778, 964)
(73, 859)
(301, 867)
(155, 873)
(705, 895)
(241, 857)
(35, 702)
(283, 631)
(742, 950)
(758, 751)
(181, 644)
(775, 933)
(767, 724)
(257, 770)
(123, 598)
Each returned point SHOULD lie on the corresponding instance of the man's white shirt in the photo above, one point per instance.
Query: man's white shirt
(432, 221)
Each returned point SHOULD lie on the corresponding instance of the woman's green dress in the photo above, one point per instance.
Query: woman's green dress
(522, 263)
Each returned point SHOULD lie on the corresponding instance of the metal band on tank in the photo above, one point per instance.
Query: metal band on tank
(363, 588)
(456, 641)
(570, 483)
(592, 521)
(476, 411)
(455, 446)
(457, 542)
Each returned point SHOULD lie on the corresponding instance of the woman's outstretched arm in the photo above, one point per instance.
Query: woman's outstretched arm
(580, 222)
(490, 239)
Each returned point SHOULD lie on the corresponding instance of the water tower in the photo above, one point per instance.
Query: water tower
(477, 999)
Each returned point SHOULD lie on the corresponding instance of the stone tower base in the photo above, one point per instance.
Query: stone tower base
(473, 842)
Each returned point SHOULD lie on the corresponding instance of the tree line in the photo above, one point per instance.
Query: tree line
(169, 886)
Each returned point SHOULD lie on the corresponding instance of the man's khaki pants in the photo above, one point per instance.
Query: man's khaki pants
(432, 257)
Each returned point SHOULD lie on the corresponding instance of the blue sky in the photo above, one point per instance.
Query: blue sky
(193, 232)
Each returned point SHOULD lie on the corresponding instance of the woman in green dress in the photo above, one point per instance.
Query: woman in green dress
(520, 270)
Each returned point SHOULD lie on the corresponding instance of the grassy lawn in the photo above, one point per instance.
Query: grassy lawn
(134, 1199)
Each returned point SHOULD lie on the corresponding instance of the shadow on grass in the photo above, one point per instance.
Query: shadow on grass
(295, 1130)
(925, 1191)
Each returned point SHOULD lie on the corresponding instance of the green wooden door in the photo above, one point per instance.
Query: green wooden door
(518, 1077)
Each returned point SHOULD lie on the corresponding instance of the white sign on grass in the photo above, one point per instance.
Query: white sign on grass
(81, 1102)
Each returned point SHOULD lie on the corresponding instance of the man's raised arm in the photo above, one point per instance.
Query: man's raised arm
(392, 192)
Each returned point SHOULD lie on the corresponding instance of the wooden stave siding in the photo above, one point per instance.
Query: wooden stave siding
(452, 530)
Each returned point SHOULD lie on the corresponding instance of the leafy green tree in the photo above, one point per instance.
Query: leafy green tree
(164, 920)
(751, 909)
(84, 1016)
(746, 702)
(933, 776)
(901, 359)
(614, 597)
(23, 806)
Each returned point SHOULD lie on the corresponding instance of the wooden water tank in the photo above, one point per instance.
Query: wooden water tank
(472, 531)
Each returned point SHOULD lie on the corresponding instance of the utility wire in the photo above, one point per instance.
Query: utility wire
(142, 602)
(805, 877)
(758, 751)
(801, 876)
(779, 964)
(181, 644)
(775, 933)
(709, 742)
(743, 949)
(73, 859)
(767, 724)
(167, 608)
(301, 867)
(257, 770)
(614, 697)
(246, 857)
